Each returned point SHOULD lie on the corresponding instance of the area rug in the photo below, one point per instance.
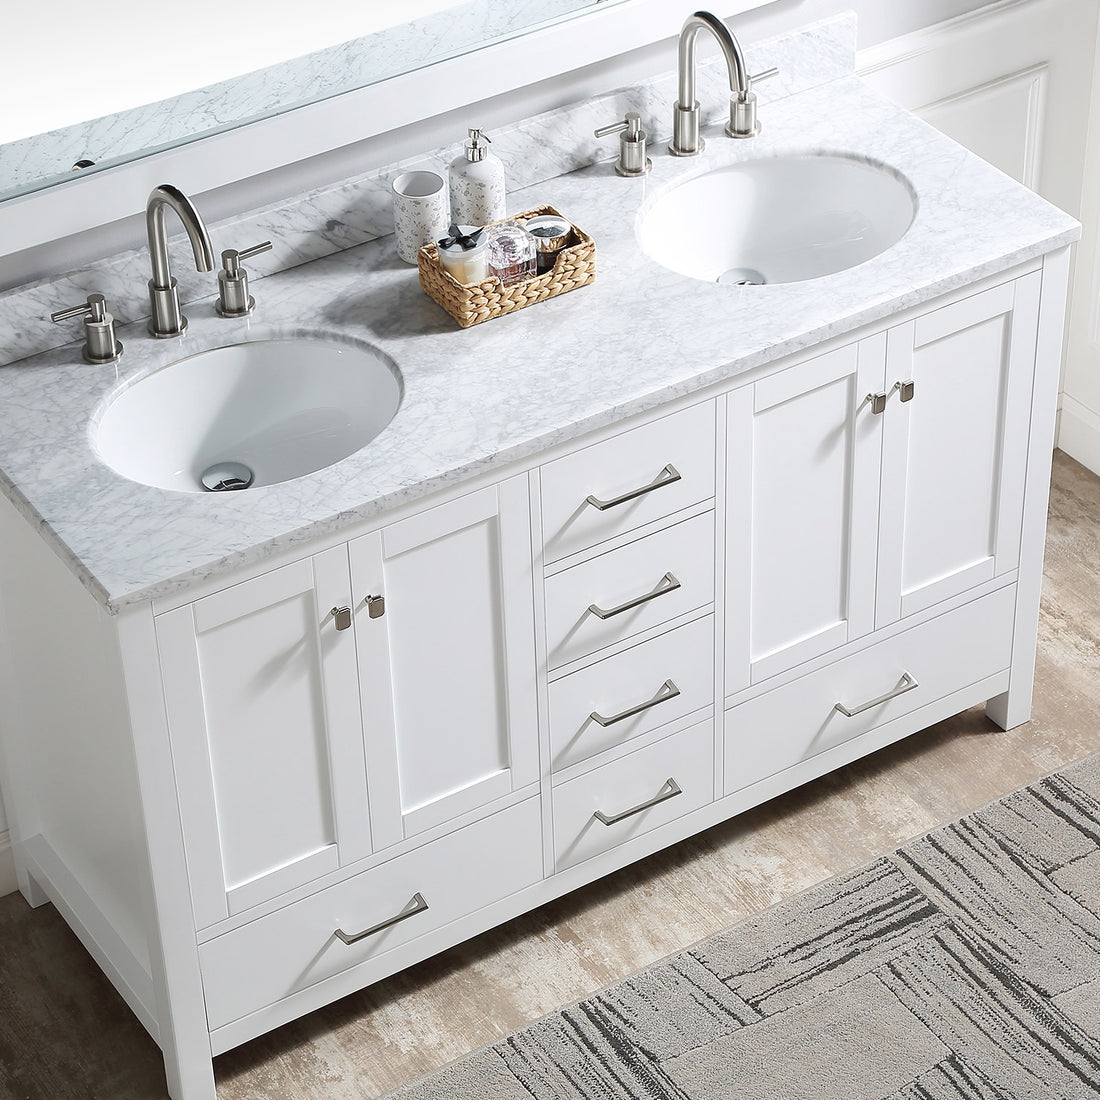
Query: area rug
(965, 964)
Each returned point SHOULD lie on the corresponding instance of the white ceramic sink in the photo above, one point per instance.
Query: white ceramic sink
(280, 408)
(779, 219)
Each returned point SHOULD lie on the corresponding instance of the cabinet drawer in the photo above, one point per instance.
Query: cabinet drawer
(619, 467)
(779, 729)
(629, 589)
(297, 947)
(644, 777)
(636, 691)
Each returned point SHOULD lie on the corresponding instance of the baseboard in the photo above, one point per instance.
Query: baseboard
(8, 884)
(1079, 433)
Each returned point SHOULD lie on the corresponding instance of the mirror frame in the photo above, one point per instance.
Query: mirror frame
(222, 159)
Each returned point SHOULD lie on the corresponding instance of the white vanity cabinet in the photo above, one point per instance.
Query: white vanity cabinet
(471, 706)
(883, 479)
(263, 711)
(341, 704)
(954, 449)
(447, 672)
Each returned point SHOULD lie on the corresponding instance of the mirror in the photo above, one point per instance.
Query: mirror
(121, 89)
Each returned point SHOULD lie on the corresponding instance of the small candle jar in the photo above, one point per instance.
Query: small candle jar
(463, 254)
(551, 234)
(511, 252)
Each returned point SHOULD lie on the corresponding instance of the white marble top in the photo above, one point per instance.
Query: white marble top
(479, 398)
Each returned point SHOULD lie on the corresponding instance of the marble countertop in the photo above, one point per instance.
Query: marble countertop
(507, 389)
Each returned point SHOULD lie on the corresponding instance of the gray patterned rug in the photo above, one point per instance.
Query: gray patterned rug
(966, 964)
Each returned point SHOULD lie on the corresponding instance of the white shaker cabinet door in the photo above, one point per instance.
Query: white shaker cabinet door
(443, 610)
(263, 709)
(958, 382)
(803, 456)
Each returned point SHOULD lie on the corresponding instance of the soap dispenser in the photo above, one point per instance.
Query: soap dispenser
(477, 184)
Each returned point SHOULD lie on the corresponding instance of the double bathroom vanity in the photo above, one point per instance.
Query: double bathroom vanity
(614, 569)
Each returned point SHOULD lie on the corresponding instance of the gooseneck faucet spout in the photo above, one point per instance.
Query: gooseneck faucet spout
(686, 141)
(167, 318)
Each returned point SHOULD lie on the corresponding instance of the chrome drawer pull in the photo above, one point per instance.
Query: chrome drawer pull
(906, 683)
(668, 476)
(669, 789)
(668, 690)
(417, 904)
(668, 583)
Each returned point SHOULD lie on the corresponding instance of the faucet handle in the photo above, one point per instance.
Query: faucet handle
(233, 297)
(632, 145)
(100, 345)
(743, 122)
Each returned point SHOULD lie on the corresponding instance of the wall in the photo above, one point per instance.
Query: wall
(1013, 81)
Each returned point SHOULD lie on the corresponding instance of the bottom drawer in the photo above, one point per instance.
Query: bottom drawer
(783, 727)
(633, 795)
(296, 947)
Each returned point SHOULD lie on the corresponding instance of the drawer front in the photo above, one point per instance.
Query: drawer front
(685, 759)
(297, 947)
(625, 696)
(630, 589)
(781, 728)
(619, 467)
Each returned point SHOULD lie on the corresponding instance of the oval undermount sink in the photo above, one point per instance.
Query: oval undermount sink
(780, 219)
(249, 414)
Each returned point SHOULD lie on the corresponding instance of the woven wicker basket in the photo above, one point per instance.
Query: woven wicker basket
(469, 304)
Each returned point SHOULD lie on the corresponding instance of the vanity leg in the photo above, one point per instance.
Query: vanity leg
(1009, 710)
(190, 1078)
(173, 953)
(1014, 706)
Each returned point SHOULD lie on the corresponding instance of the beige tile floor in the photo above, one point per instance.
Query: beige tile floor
(64, 1033)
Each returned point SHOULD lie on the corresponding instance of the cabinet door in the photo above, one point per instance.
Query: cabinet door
(955, 447)
(804, 449)
(448, 669)
(263, 711)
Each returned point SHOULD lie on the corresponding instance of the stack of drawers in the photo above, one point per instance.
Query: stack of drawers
(628, 551)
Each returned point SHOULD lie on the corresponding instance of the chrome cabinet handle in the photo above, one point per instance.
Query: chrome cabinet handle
(668, 476)
(877, 401)
(342, 615)
(908, 388)
(668, 690)
(669, 789)
(906, 683)
(416, 904)
(668, 583)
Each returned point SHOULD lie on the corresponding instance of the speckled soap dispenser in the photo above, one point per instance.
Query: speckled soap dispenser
(477, 183)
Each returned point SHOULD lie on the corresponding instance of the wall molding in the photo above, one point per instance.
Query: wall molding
(8, 883)
(1079, 433)
(910, 47)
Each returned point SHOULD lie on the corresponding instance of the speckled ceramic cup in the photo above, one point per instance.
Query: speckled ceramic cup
(419, 212)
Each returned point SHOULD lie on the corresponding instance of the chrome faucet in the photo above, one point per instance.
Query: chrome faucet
(686, 141)
(167, 319)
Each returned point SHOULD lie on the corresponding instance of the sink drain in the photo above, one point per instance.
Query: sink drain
(741, 276)
(224, 477)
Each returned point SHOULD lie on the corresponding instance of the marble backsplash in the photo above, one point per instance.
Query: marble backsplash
(359, 209)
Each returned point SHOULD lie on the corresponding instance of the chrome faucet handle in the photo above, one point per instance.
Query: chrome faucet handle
(743, 122)
(233, 297)
(100, 345)
(632, 145)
